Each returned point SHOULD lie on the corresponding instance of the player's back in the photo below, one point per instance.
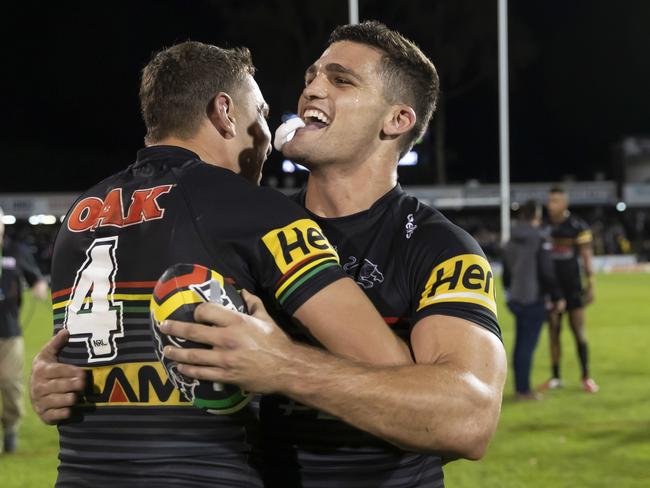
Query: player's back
(133, 426)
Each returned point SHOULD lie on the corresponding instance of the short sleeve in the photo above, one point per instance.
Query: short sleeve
(26, 264)
(451, 276)
(584, 236)
(276, 245)
(296, 261)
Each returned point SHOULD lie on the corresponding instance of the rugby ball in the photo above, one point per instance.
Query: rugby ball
(178, 292)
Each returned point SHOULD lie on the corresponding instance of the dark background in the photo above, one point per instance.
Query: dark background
(580, 74)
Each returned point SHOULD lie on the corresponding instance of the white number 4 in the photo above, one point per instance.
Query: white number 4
(96, 320)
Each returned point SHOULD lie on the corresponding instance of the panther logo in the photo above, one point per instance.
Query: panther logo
(368, 274)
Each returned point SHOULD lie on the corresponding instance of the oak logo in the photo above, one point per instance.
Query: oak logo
(132, 384)
(466, 278)
(93, 212)
(297, 241)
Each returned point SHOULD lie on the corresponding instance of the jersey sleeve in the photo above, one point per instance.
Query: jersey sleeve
(294, 258)
(26, 264)
(584, 236)
(451, 276)
(286, 254)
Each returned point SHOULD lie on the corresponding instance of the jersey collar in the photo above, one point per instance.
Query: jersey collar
(379, 206)
(170, 154)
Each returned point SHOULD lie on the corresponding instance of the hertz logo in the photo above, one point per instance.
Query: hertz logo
(466, 278)
(131, 384)
(297, 241)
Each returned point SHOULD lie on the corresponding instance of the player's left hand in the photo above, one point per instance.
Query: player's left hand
(247, 350)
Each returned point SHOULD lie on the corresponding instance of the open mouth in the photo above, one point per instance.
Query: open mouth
(315, 119)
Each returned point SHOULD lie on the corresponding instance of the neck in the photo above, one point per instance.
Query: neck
(558, 218)
(210, 153)
(337, 191)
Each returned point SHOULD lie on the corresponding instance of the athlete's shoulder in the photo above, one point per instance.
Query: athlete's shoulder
(577, 222)
(426, 227)
(448, 271)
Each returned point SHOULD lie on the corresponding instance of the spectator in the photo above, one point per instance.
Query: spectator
(529, 277)
(15, 265)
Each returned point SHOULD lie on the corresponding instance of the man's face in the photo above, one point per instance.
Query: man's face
(253, 134)
(343, 106)
(557, 204)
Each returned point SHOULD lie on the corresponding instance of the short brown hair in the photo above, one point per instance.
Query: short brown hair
(409, 76)
(530, 210)
(179, 83)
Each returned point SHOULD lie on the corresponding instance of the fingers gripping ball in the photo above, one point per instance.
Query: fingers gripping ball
(181, 289)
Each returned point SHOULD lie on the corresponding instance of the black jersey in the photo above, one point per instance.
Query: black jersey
(16, 264)
(567, 238)
(411, 262)
(132, 428)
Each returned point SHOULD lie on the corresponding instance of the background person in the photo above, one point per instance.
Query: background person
(571, 239)
(16, 265)
(529, 279)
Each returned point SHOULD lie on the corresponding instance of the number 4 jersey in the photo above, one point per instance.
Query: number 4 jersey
(168, 207)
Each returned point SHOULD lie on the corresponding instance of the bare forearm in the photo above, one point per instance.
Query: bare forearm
(587, 261)
(420, 407)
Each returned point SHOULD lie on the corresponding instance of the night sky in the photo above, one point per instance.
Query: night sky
(580, 73)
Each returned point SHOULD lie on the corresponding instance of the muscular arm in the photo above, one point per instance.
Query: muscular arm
(329, 313)
(447, 403)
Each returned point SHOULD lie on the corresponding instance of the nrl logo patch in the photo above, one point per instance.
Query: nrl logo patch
(410, 226)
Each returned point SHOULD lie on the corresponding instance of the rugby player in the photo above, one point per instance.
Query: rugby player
(185, 199)
(571, 239)
(366, 100)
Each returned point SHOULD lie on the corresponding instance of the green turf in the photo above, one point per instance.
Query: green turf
(570, 439)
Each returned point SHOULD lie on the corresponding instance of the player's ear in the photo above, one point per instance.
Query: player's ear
(221, 114)
(398, 121)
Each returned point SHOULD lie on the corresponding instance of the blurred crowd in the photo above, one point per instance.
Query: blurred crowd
(614, 233)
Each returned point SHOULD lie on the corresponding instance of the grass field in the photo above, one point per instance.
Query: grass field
(570, 439)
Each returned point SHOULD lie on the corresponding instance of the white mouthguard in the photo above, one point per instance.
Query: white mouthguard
(286, 131)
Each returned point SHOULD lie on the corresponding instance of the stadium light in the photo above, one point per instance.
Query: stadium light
(409, 159)
(42, 219)
(8, 219)
(621, 206)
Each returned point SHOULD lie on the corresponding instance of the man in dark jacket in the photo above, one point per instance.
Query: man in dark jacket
(16, 265)
(529, 278)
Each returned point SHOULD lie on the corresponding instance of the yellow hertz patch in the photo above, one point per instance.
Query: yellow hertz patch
(584, 237)
(466, 278)
(132, 384)
(296, 242)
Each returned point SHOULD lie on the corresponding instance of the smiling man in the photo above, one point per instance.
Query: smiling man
(366, 100)
(190, 197)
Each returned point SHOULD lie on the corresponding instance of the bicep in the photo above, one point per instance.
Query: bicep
(462, 345)
(342, 318)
